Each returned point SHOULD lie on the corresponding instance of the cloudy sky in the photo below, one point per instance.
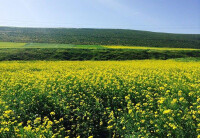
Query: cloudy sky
(173, 16)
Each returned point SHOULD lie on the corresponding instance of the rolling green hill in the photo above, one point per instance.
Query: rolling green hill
(98, 37)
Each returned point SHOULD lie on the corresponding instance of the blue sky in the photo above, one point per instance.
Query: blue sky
(173, 16)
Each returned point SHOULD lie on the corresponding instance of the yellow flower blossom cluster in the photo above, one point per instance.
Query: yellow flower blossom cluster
(148, 98)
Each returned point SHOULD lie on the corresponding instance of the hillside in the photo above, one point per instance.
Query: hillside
(99, 37)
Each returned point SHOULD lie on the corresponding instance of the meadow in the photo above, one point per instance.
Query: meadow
(11, 45)
(46, 51)
(63, 46)
(8, 45)
(140, 98)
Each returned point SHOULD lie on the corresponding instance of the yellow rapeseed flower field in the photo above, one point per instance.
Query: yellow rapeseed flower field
(145, 48)
(148, 98)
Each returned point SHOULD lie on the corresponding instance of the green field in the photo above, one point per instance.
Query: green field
(44, 51)
(11, 45)
(46, 45)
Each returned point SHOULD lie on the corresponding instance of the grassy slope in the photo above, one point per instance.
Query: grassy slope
(46, 45)
(11, 45)
(99, 37)
(42, 51)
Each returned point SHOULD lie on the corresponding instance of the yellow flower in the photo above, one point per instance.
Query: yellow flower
(161, 100)
(49, 124)
(179, 93)
(27, 128)
(161, 88)
(20, 124)
(8, 112)
(130, 111)
(56, 121)
(6, 129)
(19, 135)
(145, 104)
(37, 129)
(109, 127)
(61, 119)
(52, 113)
(28, 122)
(181, 99)
(173, 101)
(142, 120)
(37, 120)
(167, 111)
